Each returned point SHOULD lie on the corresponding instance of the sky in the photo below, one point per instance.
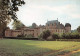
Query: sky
(41, 11)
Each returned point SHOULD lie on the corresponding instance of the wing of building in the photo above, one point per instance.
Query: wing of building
(54, 26)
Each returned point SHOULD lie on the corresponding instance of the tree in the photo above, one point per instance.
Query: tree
(34, 25)
(8, 9)
(78, 29)
(17, 25)
(11, 7)
(55, 36)
(45, 34)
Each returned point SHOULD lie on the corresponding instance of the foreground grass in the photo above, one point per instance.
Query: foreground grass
(75, 54)
(11, 47)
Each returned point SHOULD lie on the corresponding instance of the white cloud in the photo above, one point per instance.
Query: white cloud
(65, 9)
(75, 16)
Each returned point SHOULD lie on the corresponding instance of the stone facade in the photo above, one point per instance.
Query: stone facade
(54, 26)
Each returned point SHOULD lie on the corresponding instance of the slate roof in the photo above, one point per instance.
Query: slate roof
(67, 25)
(52, 22)
(58, 25)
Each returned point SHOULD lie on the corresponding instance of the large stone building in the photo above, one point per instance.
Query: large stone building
(54, 26)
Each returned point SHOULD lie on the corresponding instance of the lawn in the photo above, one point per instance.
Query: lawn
(11, 47)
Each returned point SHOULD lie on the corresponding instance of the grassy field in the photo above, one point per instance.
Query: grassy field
(11, 47)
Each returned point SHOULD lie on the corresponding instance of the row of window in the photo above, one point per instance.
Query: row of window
(50, 24)
(58, 30)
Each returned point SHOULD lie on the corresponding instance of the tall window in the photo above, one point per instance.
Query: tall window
(56, 30)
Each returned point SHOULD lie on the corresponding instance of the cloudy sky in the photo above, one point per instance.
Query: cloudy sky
(39, 11)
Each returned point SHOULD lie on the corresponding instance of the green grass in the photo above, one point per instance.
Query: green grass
(11, 47)
(75, 54)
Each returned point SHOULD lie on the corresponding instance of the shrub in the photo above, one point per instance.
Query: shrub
(66, 36)
(75, 36)
(20, 36)
(26, 36)
(71, 36)
(55, 36)
(40, 36)
(44, 35)
(29, 36)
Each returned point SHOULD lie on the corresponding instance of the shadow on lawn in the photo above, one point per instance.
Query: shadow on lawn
(28, 50)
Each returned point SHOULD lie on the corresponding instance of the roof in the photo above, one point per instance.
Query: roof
(52, 22)
(58, 25)
(67, 25)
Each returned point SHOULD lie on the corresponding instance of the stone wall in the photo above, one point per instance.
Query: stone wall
(15, 33)
(67, 29)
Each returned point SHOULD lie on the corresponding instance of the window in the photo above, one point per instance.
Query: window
(56, 30)
(33, 34)
(48, 24)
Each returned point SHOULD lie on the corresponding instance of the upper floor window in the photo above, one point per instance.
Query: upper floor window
(48, 24)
